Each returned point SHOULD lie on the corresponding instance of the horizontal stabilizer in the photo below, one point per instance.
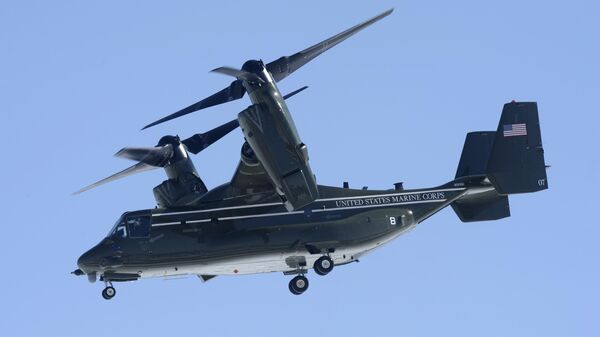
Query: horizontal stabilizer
(512, 157)
(486, 206)
(494, 164)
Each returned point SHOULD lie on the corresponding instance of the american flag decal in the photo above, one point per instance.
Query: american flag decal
(511, 130)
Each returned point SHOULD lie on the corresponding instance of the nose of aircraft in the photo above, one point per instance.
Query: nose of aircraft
(90, 260)
(84, 261)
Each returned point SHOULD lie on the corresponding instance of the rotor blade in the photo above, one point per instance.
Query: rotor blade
(154, 156)
(234, 91)
(237, 73)
(294, 92)
(201, 141)
(286, 65)
(139, 167)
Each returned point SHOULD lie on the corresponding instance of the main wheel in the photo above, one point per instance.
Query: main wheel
(108, 293)
(323, 265)
(298, 285)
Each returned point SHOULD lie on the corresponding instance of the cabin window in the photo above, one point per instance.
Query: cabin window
(138, 226)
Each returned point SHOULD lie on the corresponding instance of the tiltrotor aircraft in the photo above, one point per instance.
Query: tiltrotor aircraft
(273, 216)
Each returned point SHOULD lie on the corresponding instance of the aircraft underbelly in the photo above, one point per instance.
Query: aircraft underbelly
(272, 261)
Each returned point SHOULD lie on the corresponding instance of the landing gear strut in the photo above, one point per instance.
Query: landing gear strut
(108, 292)
(323, 265)
(298, 284)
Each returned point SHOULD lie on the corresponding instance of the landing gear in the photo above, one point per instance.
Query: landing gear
(298, 284)
(108, 292)
(323, 265)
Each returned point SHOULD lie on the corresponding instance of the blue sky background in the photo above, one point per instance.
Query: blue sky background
(79, 79)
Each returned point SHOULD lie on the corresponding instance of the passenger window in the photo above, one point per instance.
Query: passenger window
(138, 227)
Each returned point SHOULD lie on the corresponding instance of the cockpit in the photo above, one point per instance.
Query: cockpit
(132, 225)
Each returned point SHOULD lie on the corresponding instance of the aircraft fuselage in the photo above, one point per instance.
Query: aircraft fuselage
(234, 237)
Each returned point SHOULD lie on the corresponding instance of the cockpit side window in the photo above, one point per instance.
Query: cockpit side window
(138, 226)
(119, 230)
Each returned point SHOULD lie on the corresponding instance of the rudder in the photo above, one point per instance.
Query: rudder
(516, 162)
(511, 159)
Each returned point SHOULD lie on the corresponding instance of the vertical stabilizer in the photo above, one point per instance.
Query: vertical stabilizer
(516, 163)
(494, 164)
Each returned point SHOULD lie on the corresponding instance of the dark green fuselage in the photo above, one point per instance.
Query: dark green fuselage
(236, 236)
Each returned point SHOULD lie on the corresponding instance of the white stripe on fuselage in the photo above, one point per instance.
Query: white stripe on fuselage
(299, 212)
(218, 209)
(391, 194)
(385, 205)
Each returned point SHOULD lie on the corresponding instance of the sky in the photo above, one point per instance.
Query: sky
(79, 79)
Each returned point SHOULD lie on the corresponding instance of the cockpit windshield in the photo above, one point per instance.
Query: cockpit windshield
(133, 225)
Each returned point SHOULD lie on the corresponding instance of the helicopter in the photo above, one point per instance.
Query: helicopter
(272, 216)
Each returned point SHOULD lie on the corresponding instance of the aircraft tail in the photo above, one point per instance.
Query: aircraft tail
(511, 160)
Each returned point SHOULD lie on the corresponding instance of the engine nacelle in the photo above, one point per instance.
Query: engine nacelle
(281, 153)
(184, 186)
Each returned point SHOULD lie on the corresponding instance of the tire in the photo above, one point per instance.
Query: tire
(292, 290)
(323, 265)
(108, 293)
(298, 285)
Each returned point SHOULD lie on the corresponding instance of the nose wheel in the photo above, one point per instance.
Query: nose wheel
(298, 285)
(108, 292)
(323, 265)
